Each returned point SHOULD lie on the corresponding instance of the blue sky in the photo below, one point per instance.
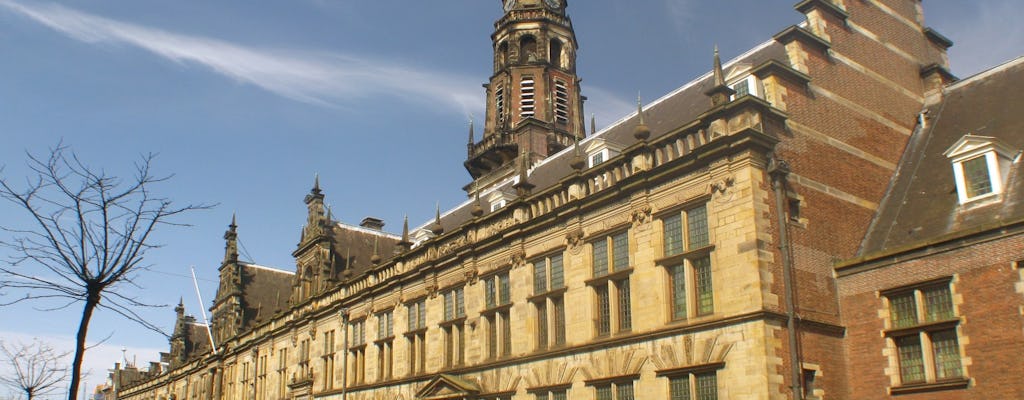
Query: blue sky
(244, 101)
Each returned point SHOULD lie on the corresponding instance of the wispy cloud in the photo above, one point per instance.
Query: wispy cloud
(680, 12)
(321, 78)
(606, 106)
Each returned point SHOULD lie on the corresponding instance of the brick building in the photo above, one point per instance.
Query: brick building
(689, 250)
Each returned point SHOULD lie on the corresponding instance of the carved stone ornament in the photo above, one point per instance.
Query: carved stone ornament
(574, 240)
(722, 188)
(312, 332)
(430, 283)
(518, 258)
(471, 273)
(641, 215)
(295, 337)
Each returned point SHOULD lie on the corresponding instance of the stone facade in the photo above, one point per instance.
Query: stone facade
(655, 262)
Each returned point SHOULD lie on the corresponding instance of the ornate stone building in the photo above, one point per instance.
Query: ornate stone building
(688, 251)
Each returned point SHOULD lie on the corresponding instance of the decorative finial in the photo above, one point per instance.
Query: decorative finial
(719, 73)
(436, 227)
(476, 210)
(233, 224)
(375, 258)
(642, 132)
(316, 182)
(405, 231)
(720, 92)
(593, 123)
(472, 136)
(523, 187)
(577, 162)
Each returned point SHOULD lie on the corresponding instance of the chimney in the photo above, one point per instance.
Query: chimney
(376, 224)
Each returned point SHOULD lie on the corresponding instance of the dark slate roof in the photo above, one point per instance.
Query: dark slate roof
(198, 339)
(921, 204)
(266, 291)
(355, 244)
(665, 115)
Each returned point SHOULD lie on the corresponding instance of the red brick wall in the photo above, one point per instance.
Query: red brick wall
(992, 328)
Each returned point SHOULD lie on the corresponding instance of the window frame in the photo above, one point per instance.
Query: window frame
(690, 260)
(918, 336)
(611, 284)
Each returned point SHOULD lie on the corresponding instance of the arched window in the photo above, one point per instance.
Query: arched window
(502, 55)
(555, 52)
(527, 49)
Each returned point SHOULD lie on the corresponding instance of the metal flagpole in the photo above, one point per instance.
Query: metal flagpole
(203, 309)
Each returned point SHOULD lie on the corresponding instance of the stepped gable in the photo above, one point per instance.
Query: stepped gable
(265, 292)
(921, 204)
(673, 111)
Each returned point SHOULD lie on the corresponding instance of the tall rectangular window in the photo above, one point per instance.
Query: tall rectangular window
(603, 311)
(282, 372)
(611, 267)
(697, 227)
(976, 176)
(540, 276)
(542, 324)
(385, 325)
(690, 278)
(561, 102)
(328, 360)
(625, 310)
(526, 98)
(417, 314)
(558, 307)
(679, 303)
(599, 251)
(499, 103)
(705, 292)
(454, 306)
(924, 333)
(673, 234)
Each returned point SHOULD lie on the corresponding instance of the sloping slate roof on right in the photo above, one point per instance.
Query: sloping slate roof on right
(921, 204)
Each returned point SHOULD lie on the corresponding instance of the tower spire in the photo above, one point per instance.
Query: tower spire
(719, 73)
(720, 92)
(231, 242)
(405, 244)
(533, 96)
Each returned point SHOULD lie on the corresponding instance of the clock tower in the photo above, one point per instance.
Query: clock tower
(534, 106)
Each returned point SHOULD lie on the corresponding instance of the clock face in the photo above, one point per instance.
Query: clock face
(509, 4)
(553, 3)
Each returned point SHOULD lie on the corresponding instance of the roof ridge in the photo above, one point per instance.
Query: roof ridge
(986, 73)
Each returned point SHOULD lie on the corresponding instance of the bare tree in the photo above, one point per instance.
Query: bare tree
(33, 369)
(88, 236)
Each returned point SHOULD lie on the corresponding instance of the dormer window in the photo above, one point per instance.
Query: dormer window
(498, 199)
(600, 150)
(598, 157)
(981, 166)
(746, 86)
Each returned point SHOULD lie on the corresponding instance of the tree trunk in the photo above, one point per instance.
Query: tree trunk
(92, 299)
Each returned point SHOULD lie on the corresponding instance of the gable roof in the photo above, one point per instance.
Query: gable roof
(265, 292)
(663, 116)
(921, 204)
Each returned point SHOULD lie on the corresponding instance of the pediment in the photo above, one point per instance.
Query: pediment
(447, 387)
(970, 145)
(598, 144)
